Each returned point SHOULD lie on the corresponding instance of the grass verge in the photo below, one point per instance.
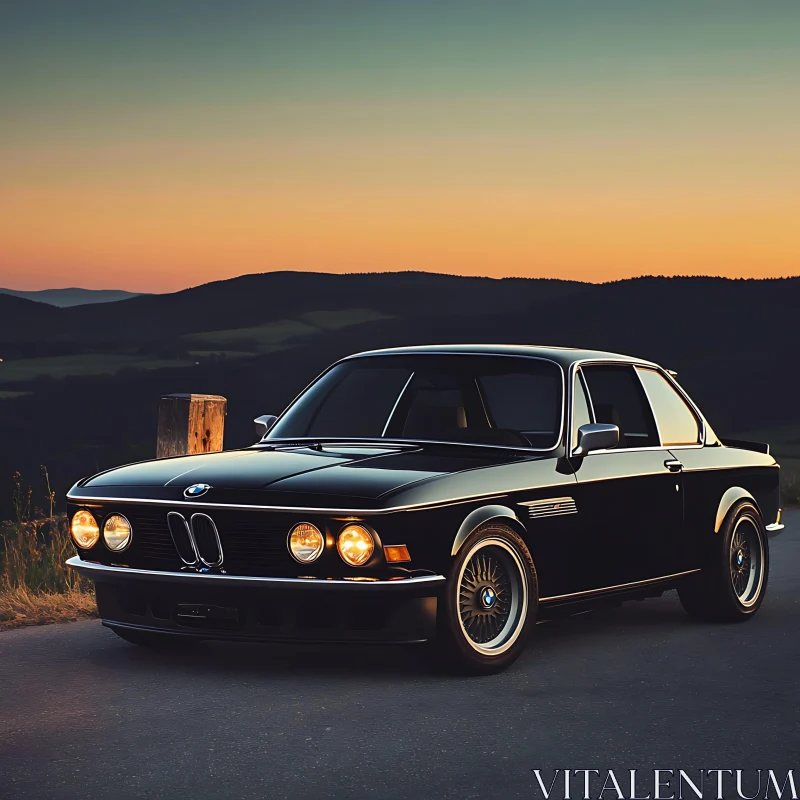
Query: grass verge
(36, 587)
(20, 607)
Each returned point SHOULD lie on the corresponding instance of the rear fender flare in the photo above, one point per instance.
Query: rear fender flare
(731, 497)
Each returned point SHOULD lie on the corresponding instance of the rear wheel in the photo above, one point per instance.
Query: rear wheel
(733, 586)
(490, 604)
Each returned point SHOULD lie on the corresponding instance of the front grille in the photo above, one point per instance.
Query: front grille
(253, 543)
(152, 546)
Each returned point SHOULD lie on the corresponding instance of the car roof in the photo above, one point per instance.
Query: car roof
(565, 356)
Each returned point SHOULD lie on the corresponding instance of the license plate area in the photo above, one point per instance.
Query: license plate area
(202, 615)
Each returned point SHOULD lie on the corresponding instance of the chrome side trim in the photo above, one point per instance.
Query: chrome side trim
(552, 507)
(177, 503)
(775, 526)
(106, 572)
(618, 586)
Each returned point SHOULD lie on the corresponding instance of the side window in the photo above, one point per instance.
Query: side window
(580, 408)
(526, 402)
(619, 399)
(676, 422)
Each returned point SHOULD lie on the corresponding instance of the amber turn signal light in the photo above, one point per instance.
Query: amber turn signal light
(396, 552)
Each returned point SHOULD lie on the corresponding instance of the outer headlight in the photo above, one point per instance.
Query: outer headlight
(84, 529)
(355, 545)
(306, 543)
(117, 532)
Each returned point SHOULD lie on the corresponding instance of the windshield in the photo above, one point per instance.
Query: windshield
(515, 402)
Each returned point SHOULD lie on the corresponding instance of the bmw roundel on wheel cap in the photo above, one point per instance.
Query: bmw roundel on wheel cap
(196, 490)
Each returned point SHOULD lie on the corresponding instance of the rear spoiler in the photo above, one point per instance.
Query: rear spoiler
(743, 444)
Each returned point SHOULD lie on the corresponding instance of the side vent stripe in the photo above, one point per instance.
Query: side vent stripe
(552, 507)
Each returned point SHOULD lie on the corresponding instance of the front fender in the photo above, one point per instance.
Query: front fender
(481, 515)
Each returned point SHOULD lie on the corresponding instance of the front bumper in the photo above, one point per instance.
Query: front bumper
(215, 606)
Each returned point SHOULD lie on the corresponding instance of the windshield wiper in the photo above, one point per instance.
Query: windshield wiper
(317, 443)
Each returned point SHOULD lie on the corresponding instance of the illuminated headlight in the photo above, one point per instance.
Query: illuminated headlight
(355, 545)
(306, 542)
(117, 532)
(84, 530)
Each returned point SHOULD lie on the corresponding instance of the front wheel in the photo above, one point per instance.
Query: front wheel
(490, 604)
(732, 587)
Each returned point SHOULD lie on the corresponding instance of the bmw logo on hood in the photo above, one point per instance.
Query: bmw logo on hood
(197, 490)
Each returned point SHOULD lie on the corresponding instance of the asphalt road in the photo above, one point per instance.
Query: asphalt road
(83, 714)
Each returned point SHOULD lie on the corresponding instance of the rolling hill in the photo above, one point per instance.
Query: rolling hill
(64, 298)
(260, 339)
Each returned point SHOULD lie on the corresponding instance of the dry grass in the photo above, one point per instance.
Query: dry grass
(35, 585)
(20, 607)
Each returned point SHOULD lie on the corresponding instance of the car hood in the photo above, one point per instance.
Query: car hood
(332, 470)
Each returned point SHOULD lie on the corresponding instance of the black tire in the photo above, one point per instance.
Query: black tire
(731, 587)
(150, 638)
(489, 606)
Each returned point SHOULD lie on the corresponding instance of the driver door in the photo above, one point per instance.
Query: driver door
(630, 503)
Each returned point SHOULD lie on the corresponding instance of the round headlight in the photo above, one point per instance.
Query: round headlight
(117, 532)
(306, 542)
(355, 545)
(84, 529)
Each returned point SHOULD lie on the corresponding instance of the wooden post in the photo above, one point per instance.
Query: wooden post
(190, 423)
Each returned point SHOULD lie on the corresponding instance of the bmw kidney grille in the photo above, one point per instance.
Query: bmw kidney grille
(182, 538)
(206, 539)
(196, 540)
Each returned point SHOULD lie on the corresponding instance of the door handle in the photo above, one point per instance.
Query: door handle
(673, 465)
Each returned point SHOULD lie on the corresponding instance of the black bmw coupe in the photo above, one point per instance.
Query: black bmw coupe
(451, 494)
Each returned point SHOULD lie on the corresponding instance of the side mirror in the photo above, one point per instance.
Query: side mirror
(596, 436)
(263, 424)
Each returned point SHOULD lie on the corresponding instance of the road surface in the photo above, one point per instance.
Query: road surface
(85, 715)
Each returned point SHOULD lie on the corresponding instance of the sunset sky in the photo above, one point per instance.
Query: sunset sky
(156, 145)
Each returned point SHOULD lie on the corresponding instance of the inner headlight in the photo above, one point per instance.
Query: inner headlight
(355, 545)
(117, 532)
(306, 542)
(84, 529)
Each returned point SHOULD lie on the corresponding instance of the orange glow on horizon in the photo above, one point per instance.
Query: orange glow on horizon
(165, 242)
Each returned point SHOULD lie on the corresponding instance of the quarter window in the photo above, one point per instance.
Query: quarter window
(676, 422)
(618, 399)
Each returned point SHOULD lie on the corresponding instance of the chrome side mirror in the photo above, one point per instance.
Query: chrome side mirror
(596, 436)
(263, 424)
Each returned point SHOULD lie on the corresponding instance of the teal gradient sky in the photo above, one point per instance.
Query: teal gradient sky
(155, 145)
